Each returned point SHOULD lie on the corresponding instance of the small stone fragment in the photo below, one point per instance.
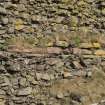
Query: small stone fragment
(38, 76)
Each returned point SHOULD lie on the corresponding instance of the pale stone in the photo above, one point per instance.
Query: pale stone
(100, 52)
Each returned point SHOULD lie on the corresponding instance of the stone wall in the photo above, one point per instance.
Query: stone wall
(68, 78)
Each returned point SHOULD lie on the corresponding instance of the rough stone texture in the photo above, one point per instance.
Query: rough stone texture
(52, 79)
(54, 76)
(47, 17)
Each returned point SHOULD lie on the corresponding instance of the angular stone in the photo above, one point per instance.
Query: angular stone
(45, 77)
(67, 74)
(38, 76)
(77, 65)
(24, 92)
(22, 82)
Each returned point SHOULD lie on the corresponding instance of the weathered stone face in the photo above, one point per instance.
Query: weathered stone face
(42, 15)
(57, 71)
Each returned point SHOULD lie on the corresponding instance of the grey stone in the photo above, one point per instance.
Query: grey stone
(24, 92)
(2, 92)
(5, 21)
(2, 31)
(11, 29)
(23, 82)
(3, 10)
(46, 77)
(21, 7)
(38, 76)
(13, 67)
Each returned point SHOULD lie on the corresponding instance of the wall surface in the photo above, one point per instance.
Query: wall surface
(74, 76)
(67, 78)
(47, 16)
